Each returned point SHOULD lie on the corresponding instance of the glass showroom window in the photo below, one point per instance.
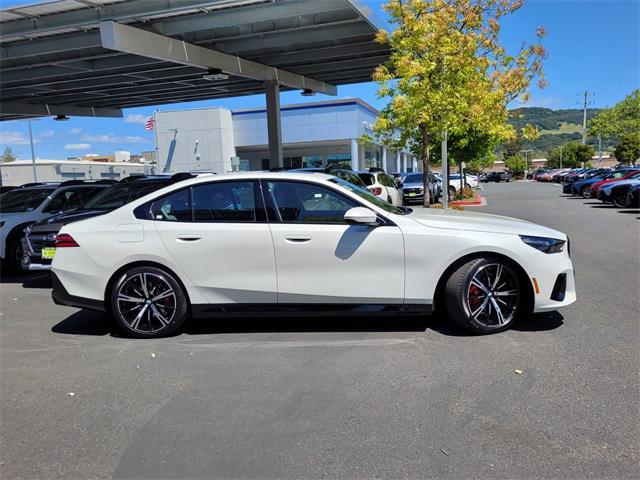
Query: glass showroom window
(339, 159)
(372, 156)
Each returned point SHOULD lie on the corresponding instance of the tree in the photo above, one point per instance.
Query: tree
(448, 72)
(516, 164)
(623, 119)
(628, 149)
(574, 154)
(8, 155)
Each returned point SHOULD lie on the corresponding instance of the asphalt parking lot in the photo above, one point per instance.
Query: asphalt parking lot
(392, 397)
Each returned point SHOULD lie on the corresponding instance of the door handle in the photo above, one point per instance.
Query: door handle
(188, 238)
(297, 238)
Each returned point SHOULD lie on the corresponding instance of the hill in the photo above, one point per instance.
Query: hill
(555, 127)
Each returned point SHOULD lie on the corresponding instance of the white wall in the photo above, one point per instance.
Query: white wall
(191, 140)
(21, 172)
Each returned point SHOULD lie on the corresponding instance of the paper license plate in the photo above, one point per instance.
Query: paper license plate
(48, 253)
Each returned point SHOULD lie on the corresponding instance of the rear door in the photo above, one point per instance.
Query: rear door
(217, 232)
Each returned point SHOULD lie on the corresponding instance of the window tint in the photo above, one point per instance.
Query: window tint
(175, 207)
(67, 200)
(224, 202)
(308, 203)
(23, 200)
(367, 178)
(388, 181)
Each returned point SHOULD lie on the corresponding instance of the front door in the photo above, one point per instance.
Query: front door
(223, 243)
(321, 259)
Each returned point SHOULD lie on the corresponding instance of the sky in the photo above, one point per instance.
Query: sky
(592, 45)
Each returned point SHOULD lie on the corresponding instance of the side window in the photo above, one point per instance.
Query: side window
(63, 201)
(224, 202)
(388, 181)
(298, 202)
(174, 207)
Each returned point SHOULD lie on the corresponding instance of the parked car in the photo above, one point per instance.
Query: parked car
(496, 177)
(413, 188)
(548, 176)
(633, 197)
(617, 175)
(616, 192)
(538, 172)
(292, 243)
(469, 181)
(567, 186)
(32, 203)
(583, 187)
(382, 185)
(39, 240)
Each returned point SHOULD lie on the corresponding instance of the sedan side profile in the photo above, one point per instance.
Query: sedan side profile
(274, 241)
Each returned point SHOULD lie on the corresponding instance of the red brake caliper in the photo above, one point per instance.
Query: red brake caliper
(475, 296)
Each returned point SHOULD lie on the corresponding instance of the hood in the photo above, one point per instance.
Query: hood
(413, 185)
(55, 223)
(481, 222)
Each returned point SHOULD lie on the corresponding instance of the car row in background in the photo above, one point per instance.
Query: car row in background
(496, 177)
(618, 186)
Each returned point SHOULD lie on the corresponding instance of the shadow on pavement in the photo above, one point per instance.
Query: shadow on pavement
(100, 324)
(28, 280)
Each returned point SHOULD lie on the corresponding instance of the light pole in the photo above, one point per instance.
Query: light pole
(33, 155)
(526, 161)
(561, 146)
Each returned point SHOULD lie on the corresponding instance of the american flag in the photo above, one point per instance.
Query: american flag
(150, 124)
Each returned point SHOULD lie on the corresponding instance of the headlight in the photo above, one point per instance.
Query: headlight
(546, 245)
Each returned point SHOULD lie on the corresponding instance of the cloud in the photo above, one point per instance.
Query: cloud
(75, 131)
(136, 118)
(46, 134)
(15, 138)
(111, 138)
(77, 146)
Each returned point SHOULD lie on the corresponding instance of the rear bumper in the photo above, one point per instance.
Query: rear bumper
(60, 296)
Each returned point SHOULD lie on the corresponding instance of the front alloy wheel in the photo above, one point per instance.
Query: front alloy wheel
(586, 192)
(148, 302)
(484, 295)
(621, 200)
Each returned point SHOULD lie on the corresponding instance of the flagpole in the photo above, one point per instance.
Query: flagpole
(155, 132)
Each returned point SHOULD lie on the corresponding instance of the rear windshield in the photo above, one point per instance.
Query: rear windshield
(121, 194)
(367, 178)
(23, 200)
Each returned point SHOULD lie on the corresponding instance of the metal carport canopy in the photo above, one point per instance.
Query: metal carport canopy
(79, 57)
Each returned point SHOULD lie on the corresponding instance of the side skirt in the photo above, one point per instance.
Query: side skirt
(305, 309)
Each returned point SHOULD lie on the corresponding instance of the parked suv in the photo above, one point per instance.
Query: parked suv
(382, 185)
(413, 188)
(35, 202)
(39, 241)
(496, 177)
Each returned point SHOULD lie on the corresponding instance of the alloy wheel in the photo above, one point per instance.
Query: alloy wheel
(146, 302)
(621, 201)
(493, 295)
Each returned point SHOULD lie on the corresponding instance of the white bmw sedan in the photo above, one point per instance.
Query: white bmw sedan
(260, 242)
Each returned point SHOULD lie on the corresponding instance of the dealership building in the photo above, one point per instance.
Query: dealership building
(314, 135)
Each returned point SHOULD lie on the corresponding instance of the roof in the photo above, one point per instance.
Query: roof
(53, 54)
(306, 105)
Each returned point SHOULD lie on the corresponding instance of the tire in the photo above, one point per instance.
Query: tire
(133, 306)
(621, 200)
(452, 191)
(586, 192)
(13, 259)
(471, 296)
(466, 185)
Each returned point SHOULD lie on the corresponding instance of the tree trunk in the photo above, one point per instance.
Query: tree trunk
(425, 165)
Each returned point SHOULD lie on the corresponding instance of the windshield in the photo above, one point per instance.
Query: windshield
(413, 178)
(23, 200)
(369, 197)
(121, 194)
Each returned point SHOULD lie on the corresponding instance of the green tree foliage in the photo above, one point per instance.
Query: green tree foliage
(447, 71)
(628, 149)
(8, 155)
(516, 164)
(623, 119)
(573, 155)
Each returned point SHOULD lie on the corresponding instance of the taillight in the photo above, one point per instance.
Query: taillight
(65, 240)
(376, 190)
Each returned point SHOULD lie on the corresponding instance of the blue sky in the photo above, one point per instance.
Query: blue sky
(593, 45)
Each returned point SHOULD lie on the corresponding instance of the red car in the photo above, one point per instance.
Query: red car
(617, 175)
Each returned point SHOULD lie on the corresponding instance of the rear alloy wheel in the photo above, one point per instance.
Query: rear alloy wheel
(148, 302)
(484, 295)
(621, 200)
(586, 192)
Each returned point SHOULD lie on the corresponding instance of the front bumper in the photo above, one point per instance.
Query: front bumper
(32, 246)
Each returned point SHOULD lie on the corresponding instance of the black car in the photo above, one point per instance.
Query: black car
(496, 177)
(633, 197)
(40, 239)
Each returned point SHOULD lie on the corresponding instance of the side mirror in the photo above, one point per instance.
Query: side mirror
(361, 216)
